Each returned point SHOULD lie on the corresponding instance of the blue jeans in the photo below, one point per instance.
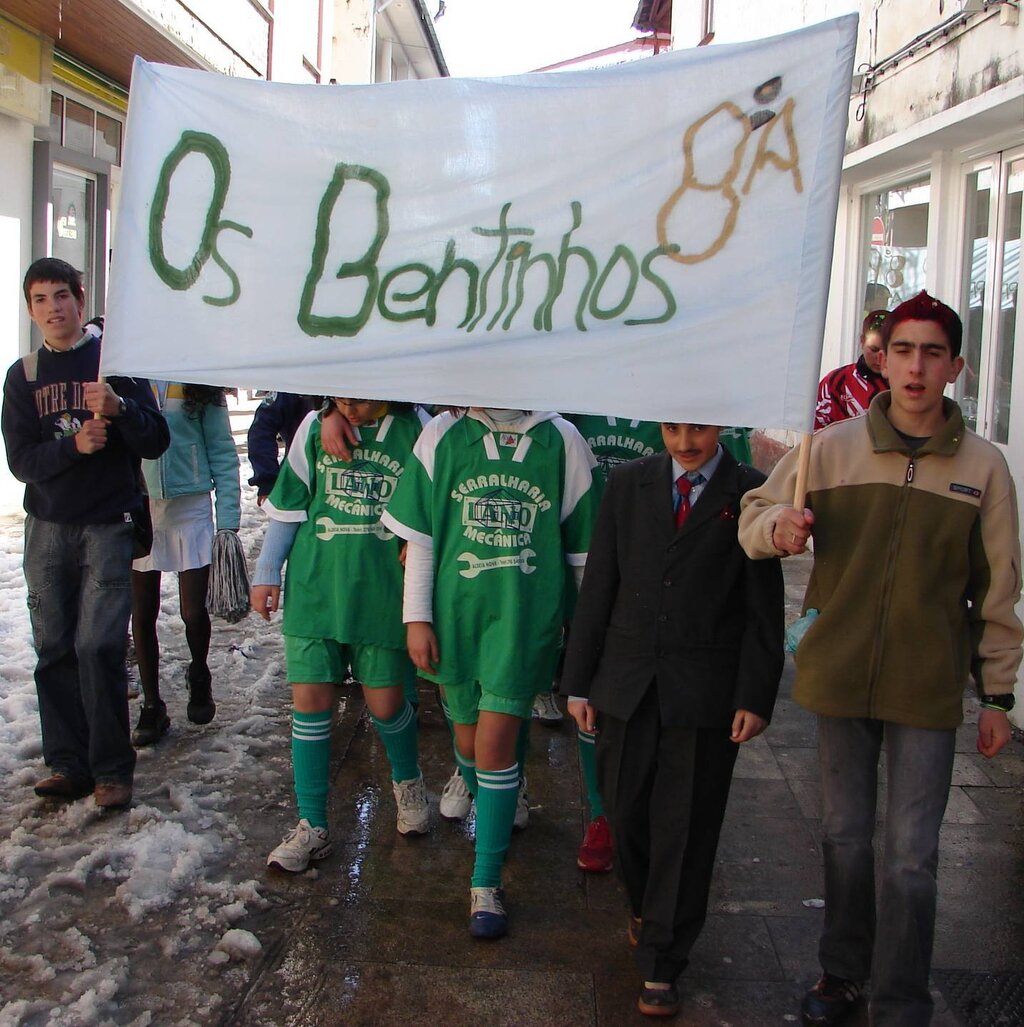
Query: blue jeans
(893, 949)
(79, 600)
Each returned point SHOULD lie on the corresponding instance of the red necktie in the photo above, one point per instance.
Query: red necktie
(683, 486)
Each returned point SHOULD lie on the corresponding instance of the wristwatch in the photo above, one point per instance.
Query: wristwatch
(122, 406)
(1004, 702)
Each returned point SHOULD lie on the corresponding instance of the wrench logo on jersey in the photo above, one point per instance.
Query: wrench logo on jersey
(475, 566)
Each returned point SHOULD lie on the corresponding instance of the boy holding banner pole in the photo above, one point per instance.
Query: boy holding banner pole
(916, 575)
(76, 441)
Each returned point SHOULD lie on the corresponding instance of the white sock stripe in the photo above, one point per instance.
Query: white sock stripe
(498, 779)
(586, 737)
(463, 762)
(311, 736)
(393, 728)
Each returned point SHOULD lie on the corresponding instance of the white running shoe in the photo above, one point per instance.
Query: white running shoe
(456, 801)
(413, 812)
(522, 807)
(545, 709)
(302, 844)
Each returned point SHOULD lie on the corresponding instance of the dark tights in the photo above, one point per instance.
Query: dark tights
(145, 609)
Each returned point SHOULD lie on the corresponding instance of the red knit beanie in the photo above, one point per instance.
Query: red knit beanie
(923, 307)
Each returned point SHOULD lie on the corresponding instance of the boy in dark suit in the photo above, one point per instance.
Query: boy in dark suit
(674, 658)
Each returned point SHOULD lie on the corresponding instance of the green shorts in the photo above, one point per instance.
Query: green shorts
(465, 701)
(314, 661)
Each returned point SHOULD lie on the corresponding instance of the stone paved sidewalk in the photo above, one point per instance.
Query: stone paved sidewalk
(377, 934)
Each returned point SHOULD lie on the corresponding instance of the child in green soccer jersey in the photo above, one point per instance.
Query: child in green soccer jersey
(494, 504)
(343, 605)
(613, 441)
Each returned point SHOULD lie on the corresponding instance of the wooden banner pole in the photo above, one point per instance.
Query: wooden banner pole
(800, 492)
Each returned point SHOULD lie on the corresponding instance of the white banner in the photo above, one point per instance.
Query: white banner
(652, 240)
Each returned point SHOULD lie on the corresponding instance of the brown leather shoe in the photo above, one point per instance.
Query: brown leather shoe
(63, 786)
(112, 794)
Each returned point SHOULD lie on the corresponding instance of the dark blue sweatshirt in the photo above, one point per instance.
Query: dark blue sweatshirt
(278, 416)
(40, 420)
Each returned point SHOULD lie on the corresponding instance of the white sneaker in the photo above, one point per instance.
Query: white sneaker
(300, 845)
(456, 801)
(522, 807)
(411, 799)
(545, 709)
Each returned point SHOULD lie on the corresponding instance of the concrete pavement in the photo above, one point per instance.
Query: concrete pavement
(120, 919)
(378, 935)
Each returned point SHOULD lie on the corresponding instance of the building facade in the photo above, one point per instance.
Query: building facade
(932, 178)
(65, 72)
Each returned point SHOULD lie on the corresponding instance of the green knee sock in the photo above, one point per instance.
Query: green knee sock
(497, 792)
(447, 717)
(522, 743)
(467, 768)
(412, 693)
(311, 764)
(400, 743)
(587, 745)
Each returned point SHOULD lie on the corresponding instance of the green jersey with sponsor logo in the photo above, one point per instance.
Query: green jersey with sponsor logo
(614, 440)
(344, 579)
(504, 512)
(737, 442)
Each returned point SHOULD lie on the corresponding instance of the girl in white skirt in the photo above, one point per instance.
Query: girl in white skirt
(202, 458)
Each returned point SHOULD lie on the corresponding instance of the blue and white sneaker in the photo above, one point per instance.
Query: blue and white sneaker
(487, 919)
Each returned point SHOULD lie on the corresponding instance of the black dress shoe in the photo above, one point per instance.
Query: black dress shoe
(201, 708)
(659, 1001)
(152, 726)
(64, 786)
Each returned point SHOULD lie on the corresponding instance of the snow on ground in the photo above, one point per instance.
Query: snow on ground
(91, 901)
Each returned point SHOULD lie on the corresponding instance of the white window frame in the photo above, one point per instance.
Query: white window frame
(999, 162)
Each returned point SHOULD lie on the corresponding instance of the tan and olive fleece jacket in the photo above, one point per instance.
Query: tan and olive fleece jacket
(916, 569)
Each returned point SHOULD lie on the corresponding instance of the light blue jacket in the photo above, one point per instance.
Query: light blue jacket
(202, 456)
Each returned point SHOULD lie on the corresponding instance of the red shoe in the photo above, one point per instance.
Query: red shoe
(596, 852)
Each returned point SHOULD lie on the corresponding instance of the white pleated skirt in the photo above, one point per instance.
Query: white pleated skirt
(182, 534)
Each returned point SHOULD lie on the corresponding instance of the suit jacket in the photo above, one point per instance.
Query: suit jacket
(686, 609)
